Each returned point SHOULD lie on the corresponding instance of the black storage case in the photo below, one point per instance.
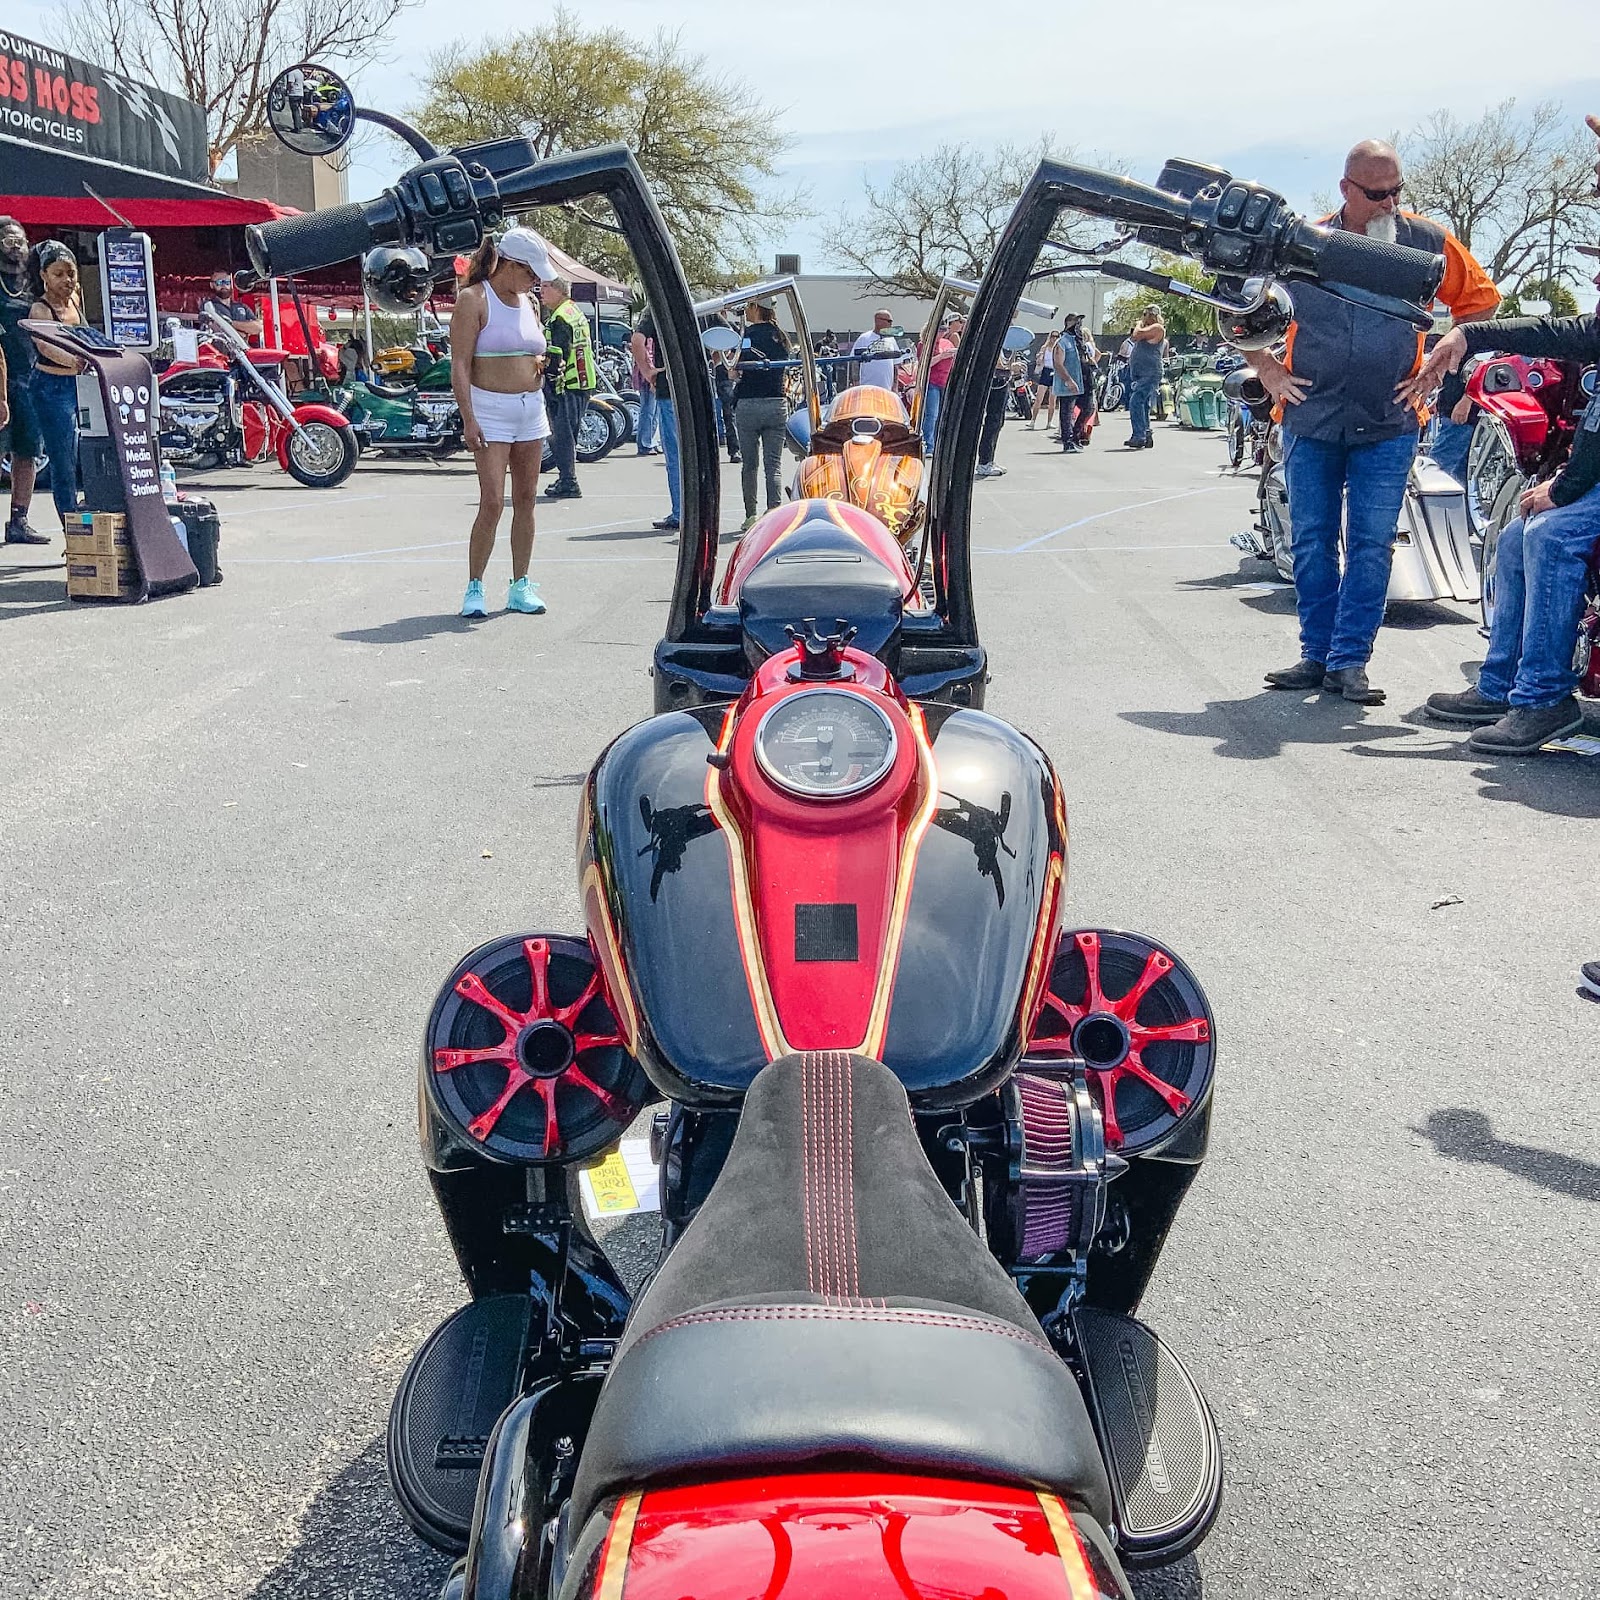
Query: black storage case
(203, 528)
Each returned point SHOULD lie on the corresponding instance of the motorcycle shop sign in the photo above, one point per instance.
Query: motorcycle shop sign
(59, 103)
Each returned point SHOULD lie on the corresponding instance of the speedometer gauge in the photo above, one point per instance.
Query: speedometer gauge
(824, 744)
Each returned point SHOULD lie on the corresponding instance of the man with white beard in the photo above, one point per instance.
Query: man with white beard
(1348, 442)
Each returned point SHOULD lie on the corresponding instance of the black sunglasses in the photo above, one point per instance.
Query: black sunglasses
(1377, 196)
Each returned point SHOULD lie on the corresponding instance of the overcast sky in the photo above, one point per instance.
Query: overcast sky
(859, 87)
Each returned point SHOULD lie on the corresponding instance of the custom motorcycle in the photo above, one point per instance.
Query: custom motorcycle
(1249, 419)
(1529, 412)
(920, 1148)
(1114, 385)
(228, 408)
(1433, 555)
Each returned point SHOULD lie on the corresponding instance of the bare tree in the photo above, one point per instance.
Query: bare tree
(1516, 188)
(223, 54)
(941, 215)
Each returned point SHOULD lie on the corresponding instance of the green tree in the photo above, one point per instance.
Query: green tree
(705, 141)
(942, 215)
(1561, 300)
(1181, 316)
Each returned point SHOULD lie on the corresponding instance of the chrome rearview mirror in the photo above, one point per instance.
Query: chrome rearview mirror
(720, 337)
(310, 110)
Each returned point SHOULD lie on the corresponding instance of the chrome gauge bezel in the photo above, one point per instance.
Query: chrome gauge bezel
(862, 785)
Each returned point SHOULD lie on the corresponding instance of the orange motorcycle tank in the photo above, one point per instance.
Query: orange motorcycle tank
(868, 400)
(845, 1536)
(885, 485)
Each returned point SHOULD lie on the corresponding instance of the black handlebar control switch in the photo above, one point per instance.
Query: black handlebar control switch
(1256, 211)
(459, 237)
(1231, 206)
(434, 198)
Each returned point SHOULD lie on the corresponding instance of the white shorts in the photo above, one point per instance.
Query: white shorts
(510, 418)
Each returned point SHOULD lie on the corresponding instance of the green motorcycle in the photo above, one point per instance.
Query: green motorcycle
(409, 419)
(1198, 399)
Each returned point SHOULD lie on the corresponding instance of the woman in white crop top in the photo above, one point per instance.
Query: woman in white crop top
(497, 350)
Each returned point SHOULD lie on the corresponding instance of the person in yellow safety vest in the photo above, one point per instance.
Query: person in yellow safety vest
(572, 381)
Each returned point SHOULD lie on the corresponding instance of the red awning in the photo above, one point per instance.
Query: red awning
(79, 211)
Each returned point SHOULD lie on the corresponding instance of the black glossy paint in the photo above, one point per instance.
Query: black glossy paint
(955, 1023)
(664, 867)
(956, 1026)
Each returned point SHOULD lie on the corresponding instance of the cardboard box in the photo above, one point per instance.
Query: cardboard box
(101, 577)
(98, 533)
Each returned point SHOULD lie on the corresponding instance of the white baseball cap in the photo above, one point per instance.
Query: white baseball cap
(524, 245)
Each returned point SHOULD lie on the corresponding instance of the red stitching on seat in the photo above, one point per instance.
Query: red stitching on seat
(853, 1266)
(830, 1174)
(807, 1198)
(831, 1313)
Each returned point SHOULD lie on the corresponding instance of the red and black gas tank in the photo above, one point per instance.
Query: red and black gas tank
(909, 916)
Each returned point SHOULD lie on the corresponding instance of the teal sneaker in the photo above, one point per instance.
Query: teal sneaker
(473, 605)
(523, 595)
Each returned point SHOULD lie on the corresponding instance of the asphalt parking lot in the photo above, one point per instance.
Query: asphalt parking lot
(245, 832)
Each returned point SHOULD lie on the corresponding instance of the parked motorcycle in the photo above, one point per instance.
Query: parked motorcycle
(1529, 412)
(921, 1148)
(228, 408)
(1433, 554)
(1114, 385)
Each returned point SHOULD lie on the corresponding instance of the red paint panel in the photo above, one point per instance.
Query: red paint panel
(776, 524)
(808, 852)
(854, 1536)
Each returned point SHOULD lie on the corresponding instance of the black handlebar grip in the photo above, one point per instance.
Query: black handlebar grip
(1335, 256)
(301, 244)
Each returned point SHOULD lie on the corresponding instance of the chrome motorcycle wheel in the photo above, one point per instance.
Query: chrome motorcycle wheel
(1500, 514)
(322, 456)
(1491, 460)
(595, 437)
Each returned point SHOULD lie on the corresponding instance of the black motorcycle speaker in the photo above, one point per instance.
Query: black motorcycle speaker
(1132, 1012)
(523, 1058)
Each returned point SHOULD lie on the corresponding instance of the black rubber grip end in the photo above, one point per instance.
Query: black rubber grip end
(301, 244)
(1373, 265)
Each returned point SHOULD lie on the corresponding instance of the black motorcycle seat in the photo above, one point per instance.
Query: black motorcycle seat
(829, 1305)
(821, 570)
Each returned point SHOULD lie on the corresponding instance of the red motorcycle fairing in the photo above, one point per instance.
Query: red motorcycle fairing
(849, 1535)
(1502, 388)
(309, 412)
(949, 874)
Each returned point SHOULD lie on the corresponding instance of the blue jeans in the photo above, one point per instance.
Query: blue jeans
(1538, 598)
(667, 416)
(931, 406)
(55, 399)
(1141, 395)
(1339, 618)
(1450, 447)
(645, 437)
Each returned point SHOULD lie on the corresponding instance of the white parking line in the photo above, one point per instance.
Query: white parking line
(1098, 516)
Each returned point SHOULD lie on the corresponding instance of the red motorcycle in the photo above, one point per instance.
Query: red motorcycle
(1529, 411)
(228, 408)
(920, 1148)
